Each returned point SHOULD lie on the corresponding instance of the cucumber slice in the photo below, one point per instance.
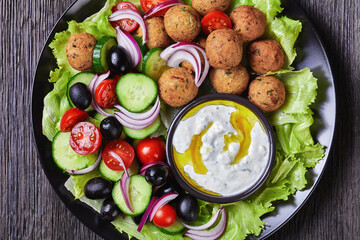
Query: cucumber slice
(101, 51)
(143, 49)
(174, 229)
(140, 194)
(153, 65)
(143, 133)
(65, 158)
(136, 91)
(83, 77)
(115, 176)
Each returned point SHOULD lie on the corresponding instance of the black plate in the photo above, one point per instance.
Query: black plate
(311, 54)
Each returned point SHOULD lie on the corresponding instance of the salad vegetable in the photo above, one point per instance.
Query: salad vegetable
(89, 146)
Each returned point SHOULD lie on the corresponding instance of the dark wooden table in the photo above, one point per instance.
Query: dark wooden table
(29, 208)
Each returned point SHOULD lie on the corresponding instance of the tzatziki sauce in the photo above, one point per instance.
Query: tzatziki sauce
(223, 177)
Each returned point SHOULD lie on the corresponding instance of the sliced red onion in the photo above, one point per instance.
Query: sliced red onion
(206, 62)
(169, 51)
(167, 4)
(128, 42)
(147, 212)
(211, 234)
(135, 124)
(161, 202)
(146, 166)
(143, 115)
(88, 169)
(181, 56)
(131, 14)
(94, 83)
(206, 225)
(121, 162)
(124, 182)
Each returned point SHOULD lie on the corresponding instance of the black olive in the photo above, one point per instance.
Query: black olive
(187, 208)
(80, 95)
(169, 187)
(110, 128)
(118, 60)
(157, 174)
(98, 188)
(109, 211)
(137, 219)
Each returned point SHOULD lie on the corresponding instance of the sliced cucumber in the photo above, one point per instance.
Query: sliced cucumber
(83, 77)
(65, 158)
(174, 229)
(153, 65)
(115, 176)
(143, 133)
(100, 53)
(140, 194)
(136, 91)
(143, 49)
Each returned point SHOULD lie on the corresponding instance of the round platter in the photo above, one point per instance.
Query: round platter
(311, 54)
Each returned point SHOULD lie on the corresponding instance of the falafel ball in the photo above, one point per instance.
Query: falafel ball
(265, 55)
(182, 23)
(201, 41)
(224, 48)
(79, 51)
(249, 22)
(156, 34)
(233, 81)
(177, 86)
(267, 93)
(205, 6)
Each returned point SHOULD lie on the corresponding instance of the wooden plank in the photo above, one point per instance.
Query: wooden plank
(29, 208)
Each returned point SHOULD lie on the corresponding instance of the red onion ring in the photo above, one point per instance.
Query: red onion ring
(167, 4)
(131, 14)
(161, 202)
(146, 166)
(124, 182)
(128, 42)
(147, 212)
(132, 125)
(140, 116)
(88, 169)
(186, 46)
(204, 226)
(94, 83)
(211, 234)
(181, 56)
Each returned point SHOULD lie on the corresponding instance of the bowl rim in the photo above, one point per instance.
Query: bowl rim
(260, 180)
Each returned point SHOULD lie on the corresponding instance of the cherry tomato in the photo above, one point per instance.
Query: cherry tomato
(123, 149)
(85, 138)
(71, 117)
(150, 150)
(215, 20)
(105, 93)
(148, 4)
(126, 24)
(165, 216)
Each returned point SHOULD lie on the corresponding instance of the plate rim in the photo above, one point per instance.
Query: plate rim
(328, 151)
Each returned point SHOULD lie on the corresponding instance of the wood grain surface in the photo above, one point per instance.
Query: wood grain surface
(30, 209)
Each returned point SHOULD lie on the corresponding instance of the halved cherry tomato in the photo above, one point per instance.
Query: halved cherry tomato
(146, 5)
(71, 117)
(121, 148)
(150, 150)
(126, 24)
(165, 216)
(85, 138)
(105, 93)
(215, 20)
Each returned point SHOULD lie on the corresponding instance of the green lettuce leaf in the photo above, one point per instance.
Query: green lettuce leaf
(270, 7)
(285, 31)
